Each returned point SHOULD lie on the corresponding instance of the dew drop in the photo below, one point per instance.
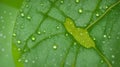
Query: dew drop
(39, 32)
(106, 7)
(80, 10)
(18, 49)
(19, 60)
(33, 38)
(104, 36)
(77, 1)
(26, 61)
(27, 6)
(66, 34)
(22, 14)
(113, 56)
(74, 43)
(118, 37)
(14, 34)
(97, 14)
(101, 61)
(61, 1)
(57, 27)
(44, 31)
(109, 37)
(54, 47)
(18, 41)
(113, 62)
(94, 38)
(28, 17)
(2, 49)
(33, 61)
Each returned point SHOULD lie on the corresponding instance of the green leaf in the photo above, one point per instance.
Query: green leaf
(46, 33)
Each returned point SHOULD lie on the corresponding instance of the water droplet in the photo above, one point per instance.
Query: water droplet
(55, 47)
(97, 14)
(33, 61)
(3, 49)
(104, 36)
(101, 61)
(77, 1)
(94, 38)
(75, 43)
(109, 37)
(106, 7)
(28, 17)
(113, 62)
(103, 42)
(66, 34)
(33, 38)
(14, 34)
(19, 60)
(61, 1)
(27, 6)
(113, 56)
(80, 11)
(26, 61)
(18, 41)
(44, 31)
(18, 49)
(118, 37)
(57, 27)
(22, 14)
(39, 32)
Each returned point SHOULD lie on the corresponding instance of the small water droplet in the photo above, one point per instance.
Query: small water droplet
(101, 61)
(61, 1)
(19, 60)
(3, 49)
(80, 11)
(94, 38)
(57, 27)
(22, 14)
(28, 17)
(66, 34)
(33, 38)
(113, 56)
(27, 6)
(44, 31)
(75, 43)
(55, 47)
(104, 36)
(39, 32)
(77, 1)
(103, 42)
(14, 34)
(109, 37)
(106, 7)
(97, 14)
(118, 37)
(19, 49)
(18, 41)
(26, 61)
(113, 62)
(33, 61)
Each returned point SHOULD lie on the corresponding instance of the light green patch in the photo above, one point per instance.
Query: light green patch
(82, 36)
